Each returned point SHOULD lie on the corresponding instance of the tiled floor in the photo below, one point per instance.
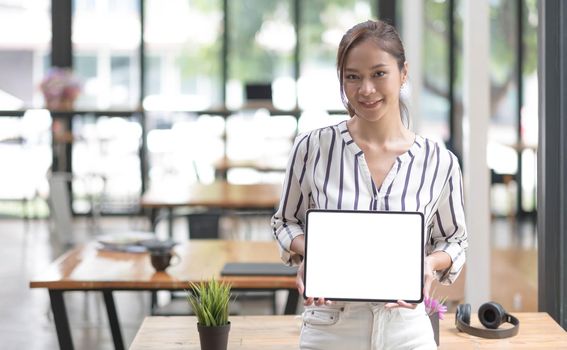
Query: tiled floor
(25, 316)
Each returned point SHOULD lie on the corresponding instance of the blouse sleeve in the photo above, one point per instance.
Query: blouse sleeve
(288, 221)
(449, 232)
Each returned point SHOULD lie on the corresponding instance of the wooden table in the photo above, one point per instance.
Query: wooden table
(537, 331)
(216, 195)
(88, 268)
(223, 165)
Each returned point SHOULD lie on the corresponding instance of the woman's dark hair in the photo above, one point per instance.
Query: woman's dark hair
(387, 39)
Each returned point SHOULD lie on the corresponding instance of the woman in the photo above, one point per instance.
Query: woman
(372, 161)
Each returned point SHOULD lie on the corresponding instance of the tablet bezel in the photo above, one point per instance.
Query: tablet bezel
(362, 212)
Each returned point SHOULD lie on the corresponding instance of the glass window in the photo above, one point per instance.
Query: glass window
(106, 41)
(86, 69)
(502, 151)
(153, 75)
(529, 116)
(106, 162)
(262, 40)
(503, 70)
(323, 24)
(258, 140)
(435, 98)
(25, 144)
(182, 147)
(122, 71)
(25, 141)
(183, 54)
(183, 73)
(24, 44)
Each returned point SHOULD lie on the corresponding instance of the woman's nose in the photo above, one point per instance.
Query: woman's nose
(366, 87)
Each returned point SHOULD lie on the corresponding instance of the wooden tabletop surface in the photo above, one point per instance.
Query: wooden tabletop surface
(275, 165)
(537, 331)
(88, 267)
(219, 194)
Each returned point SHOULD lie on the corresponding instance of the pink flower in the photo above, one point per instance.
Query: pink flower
(59, 84)
(433, 306)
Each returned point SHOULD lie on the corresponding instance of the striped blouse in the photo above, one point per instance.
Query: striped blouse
(327, 170)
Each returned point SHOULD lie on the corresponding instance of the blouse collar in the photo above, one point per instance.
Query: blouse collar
(417, 145)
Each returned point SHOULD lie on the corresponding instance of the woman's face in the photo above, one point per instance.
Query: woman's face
(372, 81)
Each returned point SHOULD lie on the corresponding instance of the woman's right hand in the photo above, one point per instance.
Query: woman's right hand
(301, 288)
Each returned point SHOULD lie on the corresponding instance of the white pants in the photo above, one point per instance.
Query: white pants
(365, 326)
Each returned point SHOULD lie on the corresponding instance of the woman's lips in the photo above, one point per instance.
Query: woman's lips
(370, 104)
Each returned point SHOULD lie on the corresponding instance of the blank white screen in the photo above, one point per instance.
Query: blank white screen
(364, 255)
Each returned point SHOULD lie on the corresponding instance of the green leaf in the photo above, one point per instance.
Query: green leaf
(210, 302)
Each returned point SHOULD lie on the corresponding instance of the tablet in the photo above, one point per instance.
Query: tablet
(364, 255)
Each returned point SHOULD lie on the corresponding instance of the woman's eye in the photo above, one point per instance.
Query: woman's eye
(351, 77)
(379, 74)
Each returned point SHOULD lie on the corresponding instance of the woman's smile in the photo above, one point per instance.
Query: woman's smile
(372, 104)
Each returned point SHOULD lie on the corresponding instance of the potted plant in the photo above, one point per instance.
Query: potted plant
(210, 301)
(60, 89)
(435, 310)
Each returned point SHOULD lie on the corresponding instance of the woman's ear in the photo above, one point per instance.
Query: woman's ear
(405, 72)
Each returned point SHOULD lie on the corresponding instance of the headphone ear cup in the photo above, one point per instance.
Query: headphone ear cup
(464, 313)
(491, 315)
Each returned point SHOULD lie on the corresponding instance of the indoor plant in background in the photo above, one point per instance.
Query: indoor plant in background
(210, 301)
(60, 88)
(436, 310)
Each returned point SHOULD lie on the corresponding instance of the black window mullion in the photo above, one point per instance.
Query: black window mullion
(224, 52)
(451, 75)
(297, 52)
(143, 152)
(520, 102)
(224, 68)
(387, 11)
(61, 29)
(62, 56)
(552, 160)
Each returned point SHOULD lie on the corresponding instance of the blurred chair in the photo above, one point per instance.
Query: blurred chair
(92, 188)
(203, 225)
(62, 227)
(65, 234)
(508, 181)
(60, 214)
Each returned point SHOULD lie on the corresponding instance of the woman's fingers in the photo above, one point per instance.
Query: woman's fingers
(299, 279)
(400, 303)
(299, 285)
(317, 301)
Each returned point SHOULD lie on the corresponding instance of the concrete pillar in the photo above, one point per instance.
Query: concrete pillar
(476, 97)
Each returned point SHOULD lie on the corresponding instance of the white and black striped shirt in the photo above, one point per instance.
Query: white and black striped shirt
(327, 170)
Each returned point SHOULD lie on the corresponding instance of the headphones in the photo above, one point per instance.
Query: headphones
(491, 315)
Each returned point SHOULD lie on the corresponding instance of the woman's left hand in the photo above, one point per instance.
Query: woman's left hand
(428, 278)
